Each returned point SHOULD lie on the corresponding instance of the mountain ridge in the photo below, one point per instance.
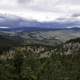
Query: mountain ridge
(16, 22)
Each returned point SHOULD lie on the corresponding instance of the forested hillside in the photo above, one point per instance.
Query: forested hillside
(41, 62)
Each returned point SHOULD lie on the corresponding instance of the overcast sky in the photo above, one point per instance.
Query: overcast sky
(41, 10)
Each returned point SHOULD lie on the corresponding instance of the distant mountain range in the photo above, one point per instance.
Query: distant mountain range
(18, 24)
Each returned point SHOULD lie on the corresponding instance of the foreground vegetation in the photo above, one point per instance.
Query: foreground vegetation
(41, 63)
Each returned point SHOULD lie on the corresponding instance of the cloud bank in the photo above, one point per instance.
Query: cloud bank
(41, 10)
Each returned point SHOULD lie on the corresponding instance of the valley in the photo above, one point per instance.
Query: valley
(46, 38)
(40, 55)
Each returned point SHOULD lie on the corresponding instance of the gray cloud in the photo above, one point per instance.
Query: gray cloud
(24, 1)
(76, 15)
(41, 9)
(74, 2)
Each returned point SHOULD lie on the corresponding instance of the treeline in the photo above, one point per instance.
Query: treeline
(73, 40)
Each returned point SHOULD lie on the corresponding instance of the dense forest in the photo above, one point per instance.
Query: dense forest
(39, 62)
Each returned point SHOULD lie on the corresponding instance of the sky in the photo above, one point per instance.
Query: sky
(42, 10)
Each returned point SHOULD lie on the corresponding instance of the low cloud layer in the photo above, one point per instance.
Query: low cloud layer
(41, 10)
